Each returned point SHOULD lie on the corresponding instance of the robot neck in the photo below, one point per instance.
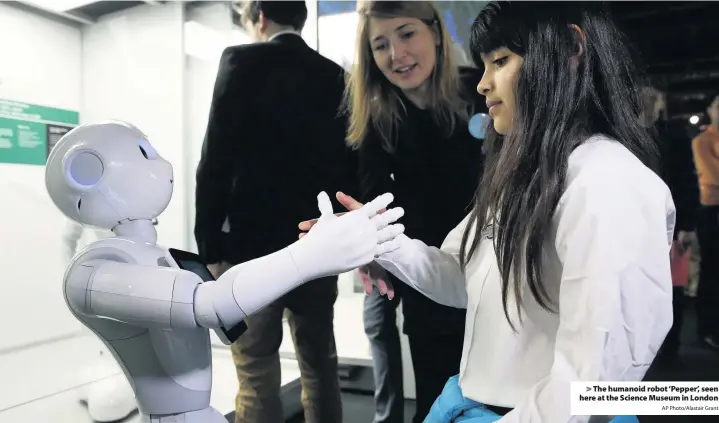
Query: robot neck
(139, 230)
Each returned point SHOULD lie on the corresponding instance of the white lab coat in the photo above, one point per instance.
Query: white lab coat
(607, 267)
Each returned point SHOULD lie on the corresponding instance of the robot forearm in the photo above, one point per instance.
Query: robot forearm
(141, 295)
(248, 287)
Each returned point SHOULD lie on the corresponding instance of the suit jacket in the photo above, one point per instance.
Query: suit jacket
(275, 139)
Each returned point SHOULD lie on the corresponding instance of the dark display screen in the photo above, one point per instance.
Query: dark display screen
(197, 268)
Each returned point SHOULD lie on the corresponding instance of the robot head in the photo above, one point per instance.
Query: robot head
(107, 173)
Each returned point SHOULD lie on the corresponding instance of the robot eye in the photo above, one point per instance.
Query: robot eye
(142, 150)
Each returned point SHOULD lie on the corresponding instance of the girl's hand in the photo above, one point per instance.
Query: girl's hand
(374, 275)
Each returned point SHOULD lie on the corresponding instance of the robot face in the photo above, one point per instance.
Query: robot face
(103, 174)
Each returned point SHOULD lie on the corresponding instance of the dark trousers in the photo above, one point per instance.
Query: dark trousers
(707, 301)
(310, 314)
(380, 325)
(435, 358)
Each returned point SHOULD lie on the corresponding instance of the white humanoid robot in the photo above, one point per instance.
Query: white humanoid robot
(109, 399)
(152, 306)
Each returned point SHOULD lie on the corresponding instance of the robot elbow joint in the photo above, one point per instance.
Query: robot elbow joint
(205, 314)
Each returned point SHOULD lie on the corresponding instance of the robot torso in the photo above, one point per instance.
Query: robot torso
(112, 282)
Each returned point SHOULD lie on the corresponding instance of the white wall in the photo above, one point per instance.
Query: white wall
(40, 63)
(337, 35)
(309, 32)
(133, 70)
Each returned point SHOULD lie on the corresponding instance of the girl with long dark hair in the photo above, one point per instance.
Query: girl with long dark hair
(563, 264)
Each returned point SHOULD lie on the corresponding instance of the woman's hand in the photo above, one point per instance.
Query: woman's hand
(347, 201)
(374, 275)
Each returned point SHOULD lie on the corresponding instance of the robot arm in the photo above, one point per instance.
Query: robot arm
(333, 246)
(164, 297)
(145, 296)
(246, 288)
(149, 296)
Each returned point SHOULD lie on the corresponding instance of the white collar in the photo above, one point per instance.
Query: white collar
(283, 32)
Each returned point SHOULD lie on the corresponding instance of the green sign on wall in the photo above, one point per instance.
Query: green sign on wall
(28, 131)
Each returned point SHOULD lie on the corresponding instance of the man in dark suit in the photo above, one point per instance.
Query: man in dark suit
(274, 140)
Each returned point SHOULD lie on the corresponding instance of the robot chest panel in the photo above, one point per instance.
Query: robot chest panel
(183, 354)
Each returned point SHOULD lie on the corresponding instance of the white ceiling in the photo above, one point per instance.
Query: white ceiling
(59, 5)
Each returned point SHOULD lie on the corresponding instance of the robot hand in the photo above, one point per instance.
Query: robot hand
(337, 244)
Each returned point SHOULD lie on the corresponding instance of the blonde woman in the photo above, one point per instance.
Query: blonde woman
(409, 105)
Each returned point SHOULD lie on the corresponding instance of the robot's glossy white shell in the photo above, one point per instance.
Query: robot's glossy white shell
(102, 174)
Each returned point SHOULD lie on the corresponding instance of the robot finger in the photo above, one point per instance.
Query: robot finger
(324, 204)
(390, 216)
(373, 207)
(387, 247)
(390, 232)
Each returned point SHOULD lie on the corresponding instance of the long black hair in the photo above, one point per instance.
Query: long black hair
(559, 104)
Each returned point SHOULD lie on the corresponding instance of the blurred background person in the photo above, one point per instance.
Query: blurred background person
(706, 158)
